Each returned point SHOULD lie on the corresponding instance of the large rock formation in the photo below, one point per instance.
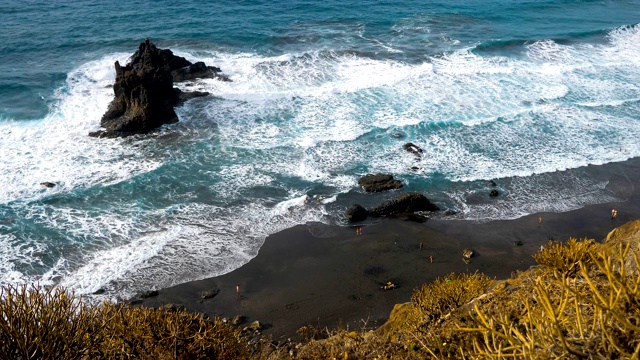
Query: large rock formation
(405, 203)
(355, 213)
(144, 92)
(379, 182)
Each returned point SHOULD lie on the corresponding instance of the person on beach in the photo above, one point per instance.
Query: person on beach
(238, 291)
(614, 213)
(359, 230)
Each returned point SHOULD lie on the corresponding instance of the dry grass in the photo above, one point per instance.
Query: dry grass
(592, 314)
(38, 323)
(565, 258)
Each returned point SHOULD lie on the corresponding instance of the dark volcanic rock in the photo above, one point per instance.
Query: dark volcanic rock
(171, 62)
(413, 148)
(356, 213)
(494, 192)
(147, 294)
(188, 95)
(379, 182)
(144, 93)
(48, 184)
(409, 202)
(198, 71)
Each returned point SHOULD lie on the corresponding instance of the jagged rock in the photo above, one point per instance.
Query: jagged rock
(208, 294)
(171, 62)
(144, 93)
(355, 213)
(379, 182)
(413, 148)
(409, 202)
(48, 184)
(198, 71)
(494, 193)
(492, 183)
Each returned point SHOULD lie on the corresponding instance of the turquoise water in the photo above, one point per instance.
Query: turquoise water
(527, 93)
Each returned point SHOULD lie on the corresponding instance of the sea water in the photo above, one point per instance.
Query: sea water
(524, 93)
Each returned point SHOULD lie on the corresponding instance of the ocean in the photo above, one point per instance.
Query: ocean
(533, 95)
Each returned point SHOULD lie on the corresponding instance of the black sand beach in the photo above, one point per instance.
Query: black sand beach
(327, 276)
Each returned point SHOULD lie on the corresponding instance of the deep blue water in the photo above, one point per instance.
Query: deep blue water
(527, 93)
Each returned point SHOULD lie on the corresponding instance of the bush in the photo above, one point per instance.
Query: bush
(40, 323)
(594, 313)
(566, 258)
(448, 293)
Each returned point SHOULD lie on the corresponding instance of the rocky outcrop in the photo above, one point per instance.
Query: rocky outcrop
(405, 203)
(356, 213)
(627, 235)
(413, 148)
(144, 92)
(379, 182)
(198, 71)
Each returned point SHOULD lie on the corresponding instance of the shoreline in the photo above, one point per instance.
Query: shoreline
(327, 276)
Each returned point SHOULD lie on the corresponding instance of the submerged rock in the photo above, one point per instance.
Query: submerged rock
(494, 193)
(48, 184)
(413, 148)
(379, 182)
(409, 202)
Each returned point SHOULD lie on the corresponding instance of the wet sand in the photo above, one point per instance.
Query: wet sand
(328, 276)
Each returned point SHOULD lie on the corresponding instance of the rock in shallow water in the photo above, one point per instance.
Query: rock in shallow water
(355, 213)
(379, 182)
(144, 93)
(409, 202)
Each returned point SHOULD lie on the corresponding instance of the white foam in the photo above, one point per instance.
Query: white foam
(317, 118)
(57, 148)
